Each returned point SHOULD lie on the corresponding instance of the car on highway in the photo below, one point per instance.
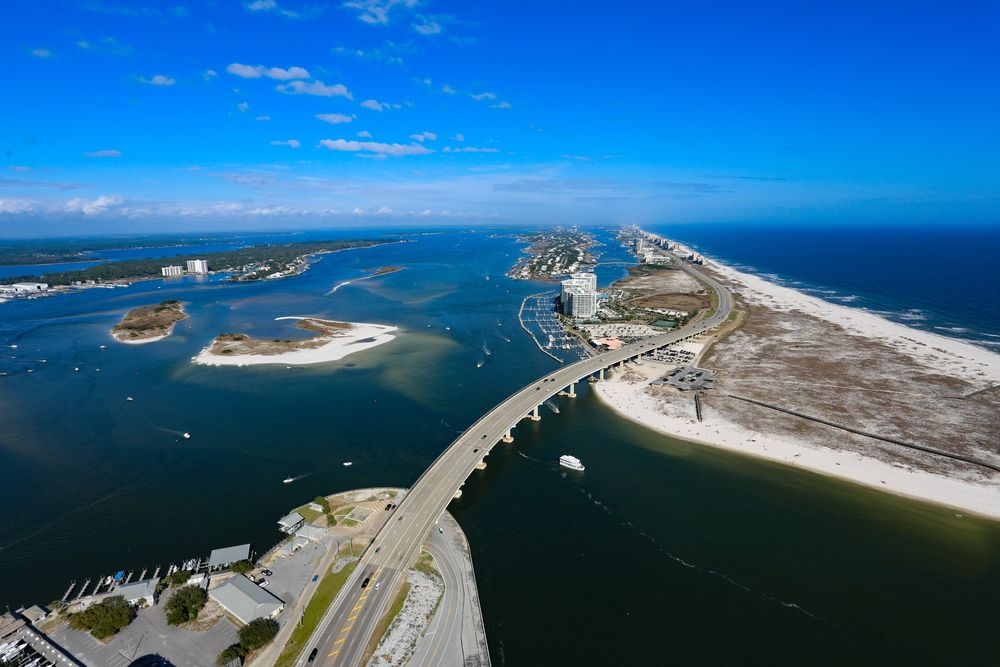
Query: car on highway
(315, 578)
(312, 655)
(364, 584)
(378, 584)
(377, 549)
(474, 451)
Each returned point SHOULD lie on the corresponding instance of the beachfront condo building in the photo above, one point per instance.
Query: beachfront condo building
(172, 271)
(197, 266)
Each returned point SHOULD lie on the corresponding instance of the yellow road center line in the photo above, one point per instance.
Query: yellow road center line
(346, 627)
(358, 607)
(330, 655)
(352, 617)
(339, 641)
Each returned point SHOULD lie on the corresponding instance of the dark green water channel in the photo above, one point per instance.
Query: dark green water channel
(660, 552)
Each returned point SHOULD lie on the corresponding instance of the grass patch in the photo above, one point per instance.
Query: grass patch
(348, 523)
(383, 625)
(325, 593)
(309, 514)
(425, 564)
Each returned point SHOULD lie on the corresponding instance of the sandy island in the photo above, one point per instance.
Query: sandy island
(148, 324)
(845, 365)
(332, 341)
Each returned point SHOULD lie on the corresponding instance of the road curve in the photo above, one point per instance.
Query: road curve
(347, 628)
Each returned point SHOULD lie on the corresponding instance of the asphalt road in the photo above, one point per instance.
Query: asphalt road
(345, 631)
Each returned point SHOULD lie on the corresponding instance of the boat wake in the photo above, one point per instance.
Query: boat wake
(289, 480)
(486, 350)
(694, 566)
(179, 434)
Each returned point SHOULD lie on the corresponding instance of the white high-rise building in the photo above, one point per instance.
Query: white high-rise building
(197, 266)
(590, 279)
(582, 303)
(172, 271)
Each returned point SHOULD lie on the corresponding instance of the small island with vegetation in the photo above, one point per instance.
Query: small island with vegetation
(147, 324)
(331, 341)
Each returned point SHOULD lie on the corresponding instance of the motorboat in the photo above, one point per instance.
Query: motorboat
(571, 462)
(186, 435)
(288, 480)
(348, 463)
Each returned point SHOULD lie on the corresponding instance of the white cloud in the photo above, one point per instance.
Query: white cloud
(334, 118)
(41, 53)
(243, 106)
(257, 71)
(317, 88)
(374, 147)
(479, 97)
(427, 27)
(16, 206)
(270, 6)
(376, 12)
(158, 80)
(448, 90)
(375, 105)
(501, 105)
(424, 136)
(262, 118)
(458, 137)
(469, 149)
(291, 143)
(209, 74)
(93, 206)
(113, 152)
(365, 134)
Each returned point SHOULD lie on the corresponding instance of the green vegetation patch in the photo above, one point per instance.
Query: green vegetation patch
(254, 635)
(308, 514)
(105, 618)
(326, 591)
(185, 604)
(425, 564)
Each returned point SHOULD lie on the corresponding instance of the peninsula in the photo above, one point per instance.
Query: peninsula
(331, 340)
(828, 388)
(266, 261)
(147, 324)
(554, 253)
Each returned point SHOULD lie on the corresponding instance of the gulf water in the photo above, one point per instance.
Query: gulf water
(660, 552)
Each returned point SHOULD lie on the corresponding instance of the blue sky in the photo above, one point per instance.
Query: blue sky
(202, 115)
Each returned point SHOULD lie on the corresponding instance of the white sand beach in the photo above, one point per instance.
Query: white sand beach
(357, 336)
(141, 341)
(671, 413)
(676, 418)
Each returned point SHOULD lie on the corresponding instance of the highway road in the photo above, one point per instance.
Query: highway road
(347, 628)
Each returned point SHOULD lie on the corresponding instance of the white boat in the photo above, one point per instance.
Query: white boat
(187, 436)
(571, 462)
(129, 399)
(288, 480)
(348, 463)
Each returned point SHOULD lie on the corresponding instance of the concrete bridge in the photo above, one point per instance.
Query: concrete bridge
(346, 630)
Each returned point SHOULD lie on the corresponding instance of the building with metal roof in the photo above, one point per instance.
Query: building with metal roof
(228, 555)
(246, 600)
(290, 522)
(138, 591)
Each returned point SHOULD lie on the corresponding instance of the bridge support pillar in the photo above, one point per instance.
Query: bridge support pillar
(481, 465)
(507, 437)
(535, 416)
(602, 374)
(458, 494)
(571, 392)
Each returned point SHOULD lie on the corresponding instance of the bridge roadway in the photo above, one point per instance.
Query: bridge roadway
(346, 629)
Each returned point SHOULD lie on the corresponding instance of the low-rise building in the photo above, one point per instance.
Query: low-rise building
(291, 522)
(246, 600)
(228, 556)
(138, 591)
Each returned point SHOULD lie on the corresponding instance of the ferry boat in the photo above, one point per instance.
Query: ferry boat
(571, 462)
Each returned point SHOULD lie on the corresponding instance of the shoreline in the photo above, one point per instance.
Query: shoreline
(631, 403)
(675, 416)
(362, 336)
(119, 334)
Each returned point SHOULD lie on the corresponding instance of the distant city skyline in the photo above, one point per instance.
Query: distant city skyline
(281, 114)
